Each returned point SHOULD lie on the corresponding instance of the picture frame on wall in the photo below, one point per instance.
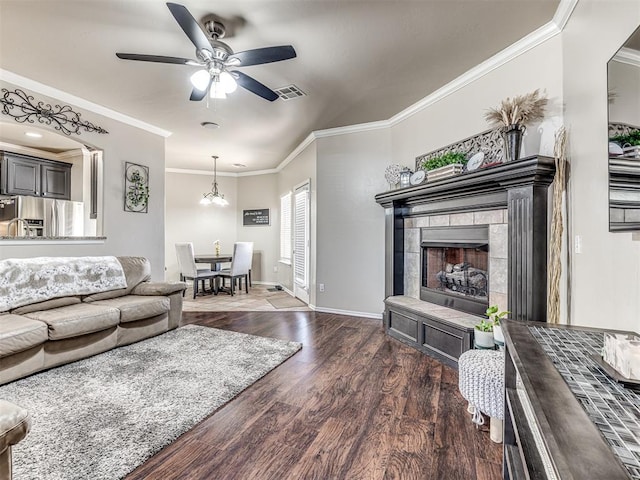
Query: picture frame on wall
(256, 217)
(136, 188)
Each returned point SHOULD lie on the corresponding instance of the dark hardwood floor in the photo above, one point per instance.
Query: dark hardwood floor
(352, 404)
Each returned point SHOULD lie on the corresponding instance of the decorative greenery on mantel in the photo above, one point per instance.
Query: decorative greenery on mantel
(448, 158)
(630, 139)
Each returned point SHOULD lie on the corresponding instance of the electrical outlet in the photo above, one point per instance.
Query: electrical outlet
(321, 287)
(577, 244)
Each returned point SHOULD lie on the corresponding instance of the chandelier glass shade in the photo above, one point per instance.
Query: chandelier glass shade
(214, 197)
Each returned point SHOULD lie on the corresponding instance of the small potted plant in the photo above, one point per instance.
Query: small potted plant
(512, 117)
(495, 315)
(445, 165)
(483, 334)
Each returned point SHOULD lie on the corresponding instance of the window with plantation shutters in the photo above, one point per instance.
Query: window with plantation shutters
(301, 236)
(285, 228)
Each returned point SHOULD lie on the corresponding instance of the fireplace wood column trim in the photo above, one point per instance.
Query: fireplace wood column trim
(521, 187)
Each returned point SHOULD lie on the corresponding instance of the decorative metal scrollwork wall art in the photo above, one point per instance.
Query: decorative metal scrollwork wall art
(23, 108)
(136, 188)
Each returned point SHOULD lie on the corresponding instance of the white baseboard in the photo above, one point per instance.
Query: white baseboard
(351, 313)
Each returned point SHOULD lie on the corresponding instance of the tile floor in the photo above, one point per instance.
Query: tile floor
(255, 300)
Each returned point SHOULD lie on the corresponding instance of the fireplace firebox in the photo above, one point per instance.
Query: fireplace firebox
(455, 267)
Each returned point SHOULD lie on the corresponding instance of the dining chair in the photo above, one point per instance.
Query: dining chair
(189, 271)
(240, 266)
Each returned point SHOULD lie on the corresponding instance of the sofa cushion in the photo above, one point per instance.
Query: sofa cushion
(19, 333)
(136, 270)
(46, 305)
(105, 295)
(137, 307)
(76, 320)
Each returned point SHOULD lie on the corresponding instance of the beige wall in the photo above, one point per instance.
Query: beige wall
(624, 81)
(350, 235)
(300, 169)
(605, 277)
(461, 114)
(260, 191)
(188, 221)
(127, 233)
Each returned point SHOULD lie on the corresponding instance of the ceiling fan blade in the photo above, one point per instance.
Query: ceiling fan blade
(197, 95)
(254, 86)
(157, 58)
(264, 55)
(190, 26)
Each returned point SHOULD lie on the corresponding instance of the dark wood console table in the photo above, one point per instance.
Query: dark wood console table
(547, 432)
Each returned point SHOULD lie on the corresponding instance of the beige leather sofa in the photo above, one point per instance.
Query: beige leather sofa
(49, 333)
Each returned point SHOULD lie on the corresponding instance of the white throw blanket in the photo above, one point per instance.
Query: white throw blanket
(29, 280)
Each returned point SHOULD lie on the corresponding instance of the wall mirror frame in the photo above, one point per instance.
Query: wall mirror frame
(623, 95)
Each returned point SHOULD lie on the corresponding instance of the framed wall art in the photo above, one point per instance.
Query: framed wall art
(136, 188)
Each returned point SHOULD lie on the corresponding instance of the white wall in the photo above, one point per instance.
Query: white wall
(127, 233)
(605, 277)
(188, 221)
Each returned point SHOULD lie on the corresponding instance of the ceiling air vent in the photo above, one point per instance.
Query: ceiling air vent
(289, 92)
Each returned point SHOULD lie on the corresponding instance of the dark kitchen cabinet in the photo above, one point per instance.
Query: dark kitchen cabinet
(24, 175)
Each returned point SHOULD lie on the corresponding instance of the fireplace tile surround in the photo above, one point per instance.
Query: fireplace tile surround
(498, 249)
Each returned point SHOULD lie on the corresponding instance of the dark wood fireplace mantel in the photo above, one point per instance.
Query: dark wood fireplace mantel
(521, 187)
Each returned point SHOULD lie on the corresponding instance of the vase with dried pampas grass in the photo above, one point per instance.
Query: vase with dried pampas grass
(555, 242)
(512, 117)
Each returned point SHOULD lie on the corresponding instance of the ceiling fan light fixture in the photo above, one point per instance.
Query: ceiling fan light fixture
(227, 82)
(200, 80)
(216, 90)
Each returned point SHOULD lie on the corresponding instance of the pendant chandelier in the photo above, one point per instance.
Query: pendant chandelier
(214, 196)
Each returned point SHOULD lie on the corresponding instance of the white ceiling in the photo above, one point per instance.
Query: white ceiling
(358, 61)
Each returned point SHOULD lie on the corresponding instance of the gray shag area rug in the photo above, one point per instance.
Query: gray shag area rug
(101, 417)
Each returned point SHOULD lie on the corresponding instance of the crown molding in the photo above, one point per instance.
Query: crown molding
(200, 172)
(43, 89)
(628, 56)
(563, 13)
(297, 151)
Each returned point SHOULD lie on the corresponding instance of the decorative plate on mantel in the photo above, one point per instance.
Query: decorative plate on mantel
(475, 162)
(418, 177)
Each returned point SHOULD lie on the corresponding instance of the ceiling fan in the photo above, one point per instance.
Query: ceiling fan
(217, 59)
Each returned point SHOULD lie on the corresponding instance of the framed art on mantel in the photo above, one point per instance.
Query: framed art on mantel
(136, 188)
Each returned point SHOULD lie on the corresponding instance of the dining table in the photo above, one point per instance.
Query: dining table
(213, 259)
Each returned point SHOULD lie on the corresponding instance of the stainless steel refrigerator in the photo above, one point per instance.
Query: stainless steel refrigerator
(63, 218)
(44, 216)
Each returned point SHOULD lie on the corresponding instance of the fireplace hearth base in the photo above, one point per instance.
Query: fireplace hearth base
(438, 331)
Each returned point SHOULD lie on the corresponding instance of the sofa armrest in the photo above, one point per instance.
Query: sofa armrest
(158, 288)
(15, 423)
